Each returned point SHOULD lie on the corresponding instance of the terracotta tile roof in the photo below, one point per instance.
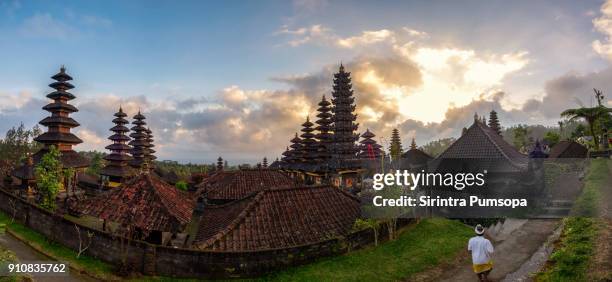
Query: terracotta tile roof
(238, 184)
(481, 142)
(278, 218)
(145, 202)
(568, 149)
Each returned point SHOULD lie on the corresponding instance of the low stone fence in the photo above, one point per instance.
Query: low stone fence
(176, 262)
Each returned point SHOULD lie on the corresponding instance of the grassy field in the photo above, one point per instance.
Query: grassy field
(572, 255)
(588, 202)
(425, 245)
(40, 242)
(570, 260)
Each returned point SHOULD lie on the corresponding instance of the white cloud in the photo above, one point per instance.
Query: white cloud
(300, 36)
(44, 25)
(455, 77)
(8, 101)
(603, 24)
(97, 21)
(414, 32)
(367, 37)
(91, 141)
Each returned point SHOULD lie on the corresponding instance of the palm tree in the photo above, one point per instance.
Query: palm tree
(590, 115)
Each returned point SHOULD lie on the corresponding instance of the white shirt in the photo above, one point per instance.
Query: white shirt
(482, 249)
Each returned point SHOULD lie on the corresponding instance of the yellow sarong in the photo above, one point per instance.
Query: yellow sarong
(479, 268)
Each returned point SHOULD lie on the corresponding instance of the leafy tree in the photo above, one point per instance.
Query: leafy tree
(596, 117)
(520, 136)
(591, 116)
(579, 131)
(552, 138)
(435, 148)
(97, 163)
(181, 185)
(49, 178)
(19, 142)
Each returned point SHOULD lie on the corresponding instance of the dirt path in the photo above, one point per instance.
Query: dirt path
(26, 254)
(510, 254)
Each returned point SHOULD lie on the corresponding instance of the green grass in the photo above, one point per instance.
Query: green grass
(588, 202)
(570, 260)
(7, 256)
(429, 243)
(62, 253)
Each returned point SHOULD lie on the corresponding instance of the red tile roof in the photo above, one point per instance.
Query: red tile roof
(152, 204)
(237, 184)
(278, 218)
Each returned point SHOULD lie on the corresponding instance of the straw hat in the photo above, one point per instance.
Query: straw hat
(479, 229)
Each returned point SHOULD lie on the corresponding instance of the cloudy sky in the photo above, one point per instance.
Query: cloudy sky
(237, 78)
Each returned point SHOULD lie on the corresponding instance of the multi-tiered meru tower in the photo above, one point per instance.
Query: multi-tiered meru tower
(344, 127)
(117, 168)
(139, 143)
(59, 124)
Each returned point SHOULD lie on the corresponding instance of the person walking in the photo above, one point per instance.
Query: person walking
(482, 253)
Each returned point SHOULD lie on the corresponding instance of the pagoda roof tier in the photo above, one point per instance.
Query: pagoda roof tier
(118, 157)
(60, 95)
(55, 120)
(138, 151)
(140, 123)
(118, 171)
(60, 107)
(69, 158)
(138, 127)
(120, 120)
(137, 142)
(137, 161)
(62, 75)
(118, 146)
(139, 117)
(296, 139)
(58, 137)
(369, 142)
(120, 114)
(138, 135)
(119, 128)
(368, 134)
(324, 115)
(61, 85)
(119, 137)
